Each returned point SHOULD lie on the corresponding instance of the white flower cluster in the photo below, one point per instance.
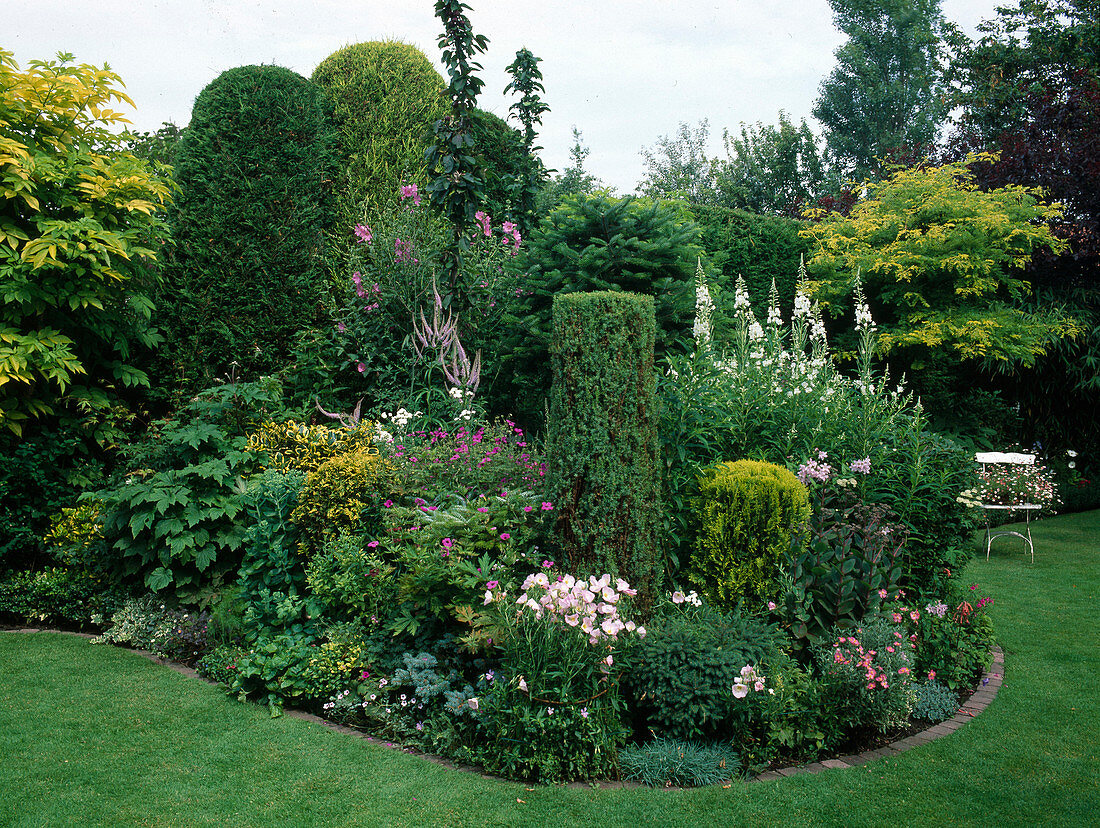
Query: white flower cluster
(704, 307)
(401, 418)
(691, 598)
(590, 605)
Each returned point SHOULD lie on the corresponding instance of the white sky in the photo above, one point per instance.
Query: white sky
(624, 72)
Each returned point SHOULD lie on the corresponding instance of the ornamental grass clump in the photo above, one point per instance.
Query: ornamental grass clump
(665, 763)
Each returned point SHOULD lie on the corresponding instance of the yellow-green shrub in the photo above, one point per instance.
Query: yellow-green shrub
(75, 533)
(343, 495)
(294, 446)
(748, 512)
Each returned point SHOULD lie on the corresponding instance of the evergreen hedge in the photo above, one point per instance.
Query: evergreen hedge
(755, 246)
(254, 170)
(602, 454)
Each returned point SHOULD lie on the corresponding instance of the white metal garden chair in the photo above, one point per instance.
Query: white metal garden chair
(990, 458)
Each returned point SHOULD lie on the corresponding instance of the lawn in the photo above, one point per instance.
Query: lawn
(101, 736)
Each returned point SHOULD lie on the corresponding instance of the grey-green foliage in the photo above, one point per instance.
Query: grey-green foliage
(934, 702)
(665, 762)
(886, 93)
(602, 452)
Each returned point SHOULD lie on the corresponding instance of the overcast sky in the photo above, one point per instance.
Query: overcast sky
(624, 72)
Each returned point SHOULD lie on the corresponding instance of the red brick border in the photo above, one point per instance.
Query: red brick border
(979, 701)
(987, 690)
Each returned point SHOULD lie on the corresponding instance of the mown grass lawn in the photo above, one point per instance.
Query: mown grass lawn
(100, 736)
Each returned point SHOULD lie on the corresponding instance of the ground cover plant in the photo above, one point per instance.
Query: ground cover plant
(86, 713)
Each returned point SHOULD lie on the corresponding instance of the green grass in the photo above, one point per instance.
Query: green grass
(100, 736)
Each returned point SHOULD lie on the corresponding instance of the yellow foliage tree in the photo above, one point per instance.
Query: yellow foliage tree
(942, 264)
(80, 226)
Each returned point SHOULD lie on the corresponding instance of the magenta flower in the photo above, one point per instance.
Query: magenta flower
(388, 504)
(363, 233)
(546, 507)
(361, 368)
(373, 545)
(448, 543)
(492, 584)
(483, 508)
(411, 191)
(504, 536)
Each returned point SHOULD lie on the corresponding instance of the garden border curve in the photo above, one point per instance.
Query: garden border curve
(981, 698)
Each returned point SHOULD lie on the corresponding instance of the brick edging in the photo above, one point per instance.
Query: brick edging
(979, 701)
(981, 698)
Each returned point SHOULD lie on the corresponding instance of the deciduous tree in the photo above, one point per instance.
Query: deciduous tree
(80, 227)
(942, 261)
(886, 93)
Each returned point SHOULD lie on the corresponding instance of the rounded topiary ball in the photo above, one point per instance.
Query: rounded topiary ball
(748, 512)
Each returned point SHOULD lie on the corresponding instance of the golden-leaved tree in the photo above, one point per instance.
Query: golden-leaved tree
(942, 263)
(80, 228)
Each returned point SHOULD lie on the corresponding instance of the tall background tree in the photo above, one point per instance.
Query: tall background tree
(1029, 90)
(942, 262)
(772, 169)
(886, 96)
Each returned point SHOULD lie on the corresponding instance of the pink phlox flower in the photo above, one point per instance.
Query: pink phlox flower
(341, 327)
(861, 466)
(361, 368)
(411, 191)
(363, 233)
(485, 221)
(448, 543)
(504, 536)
